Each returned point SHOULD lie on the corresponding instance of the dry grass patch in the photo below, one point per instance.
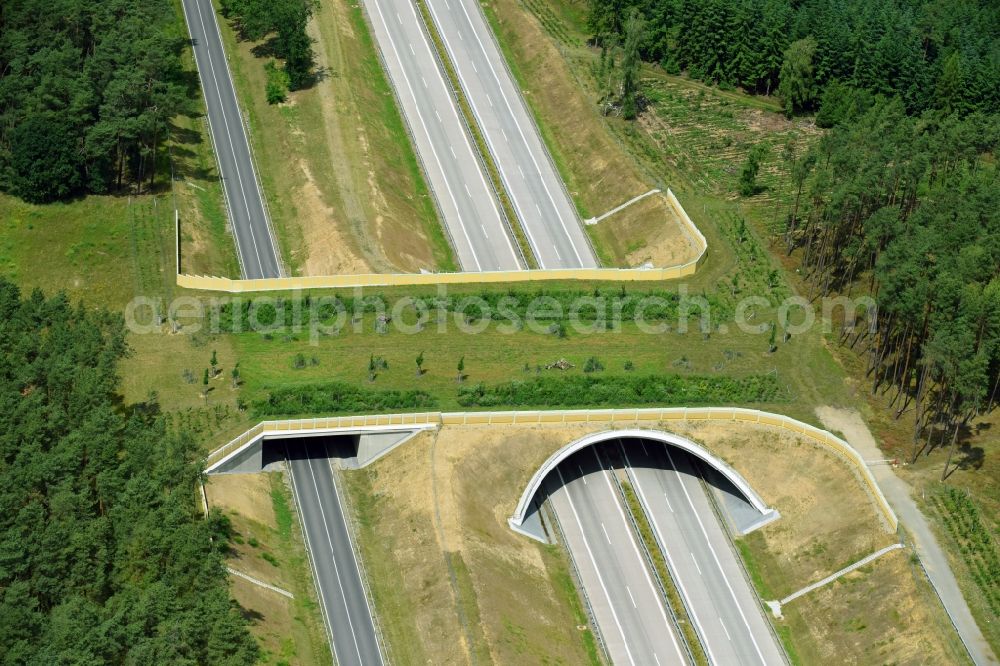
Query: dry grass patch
(343, 185)
(442, 504)
(828, 520)
(267, 545)
(444, 499)
(393, 502)
(881, 613)
(646, 232)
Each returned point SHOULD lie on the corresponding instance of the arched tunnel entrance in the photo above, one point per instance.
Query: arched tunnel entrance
(646, 453)
(619, 500)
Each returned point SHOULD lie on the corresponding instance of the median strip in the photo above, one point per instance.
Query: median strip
(513, 223)
(660, 569)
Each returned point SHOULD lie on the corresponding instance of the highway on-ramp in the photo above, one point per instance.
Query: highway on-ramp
(335, 566)
(247, 212)
(547, 215)
(723, 608)
(467, 203)
(626, 603)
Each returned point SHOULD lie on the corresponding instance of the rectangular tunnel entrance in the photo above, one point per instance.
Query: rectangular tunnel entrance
(349, 450)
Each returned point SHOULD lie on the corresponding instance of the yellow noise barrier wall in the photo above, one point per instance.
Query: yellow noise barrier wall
(208, 283)
(596, 416)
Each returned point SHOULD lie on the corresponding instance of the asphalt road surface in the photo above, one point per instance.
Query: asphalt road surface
(720, 602)
(627, 604)
(466, 200)
(335, 567)
(548, 216)
(254, 242)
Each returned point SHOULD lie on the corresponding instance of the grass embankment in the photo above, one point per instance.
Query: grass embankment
(267, 545)
(437, 507)
(451, 581)
(343, 184)
(598, 173)
(882, 612)
(691, 137)
(660, 569)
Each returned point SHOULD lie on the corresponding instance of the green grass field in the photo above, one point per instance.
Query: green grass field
(103, 250)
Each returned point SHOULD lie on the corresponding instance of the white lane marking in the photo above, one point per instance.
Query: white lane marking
(430, 142)
(232, 146)
(556, 250)
(489, 142)
(411, 50)
(521, 170)
(243, 131)
(505, 136)
(606, 537)
(467, 192)
(695, 560)
(474, 68)
(669, 505)
(484, 231)
(438, 115)
(510, 110)
(630, 596)
(322, 596)
(399, 18)
(582, 475)
(730, 638)
(424, 80)
(472, 154)
(336, 569)
(657, 659)
(635, 548)
(454, 155)
(354, 555)
(666, 551)
(597, 569)
(722, 574)
(489, 100)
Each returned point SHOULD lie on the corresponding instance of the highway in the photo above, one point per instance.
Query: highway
(547, 215)
(626, 602)
(255, 243)
(722, 606)
(335, 567)
(465, 199)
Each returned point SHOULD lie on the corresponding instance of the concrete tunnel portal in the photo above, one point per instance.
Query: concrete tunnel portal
(354, 448)
(743, 506)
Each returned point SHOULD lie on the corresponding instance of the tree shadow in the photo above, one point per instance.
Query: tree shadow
(972, 457)
(249, 614)
(265, 48)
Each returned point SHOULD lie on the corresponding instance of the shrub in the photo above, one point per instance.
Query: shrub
(334, 397)
(615, 390)
(277, 84)
(593, 364)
